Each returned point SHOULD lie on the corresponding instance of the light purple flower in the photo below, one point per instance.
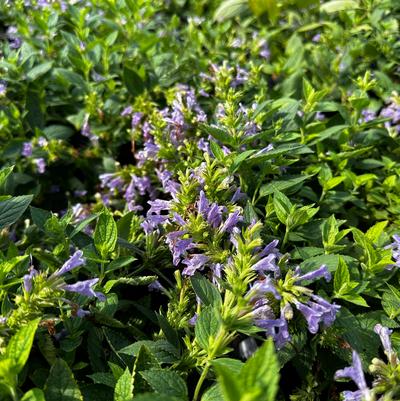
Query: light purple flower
(85, 288)
(395, 246)
(192, 321)
(136, 118)
(127, 111)
(177, 245)
(267, 263)
(40, 165)
(315, 274)
(28, 278)
(276, 328)
(316, 38)
(232, 220)
(3, 88)
(384, 334)
(74, 261)
(155, 286)
(194, 262)
(355, 373)
(158, 205)
(367, 116)
(262, 287)
(27, 149)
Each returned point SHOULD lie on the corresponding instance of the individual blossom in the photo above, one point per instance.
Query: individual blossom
(74, 261)
(321, 272)
(155, 286)
(40, 165)
(233, 219)
(28, 278)
(27, 149)
(85, 288)
(193, 263)
(127, 111)
(136, 118)
(395, 246)
(384, 334)
(178, 245)
(317, 311)
(367, 116)
(3, 88)
(355, 373)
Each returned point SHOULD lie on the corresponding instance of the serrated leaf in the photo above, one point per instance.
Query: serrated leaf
(282, 206)
(12, 209)
(20, 344)
(105, 378)
(229, 383)
(375, 231)
(105, 234)
(282, 185)
(207, 292)
(124, 387)
(166, 382)
(217, 133)
(327, 133)
(135, 281)
(207, 327)
(61, 385)
(162, 350)
(341, 278)
(145, 360)
(4, 174)
(261, 370)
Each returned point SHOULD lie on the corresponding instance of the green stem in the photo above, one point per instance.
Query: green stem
(211, 356)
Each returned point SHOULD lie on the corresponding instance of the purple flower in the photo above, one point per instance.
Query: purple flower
(126, 111)
(193, 263)
(318, 311)
(241, 78)
(136, 118)
(177, 245)
(384, 334)
(27, 149)
(82, 313)
(233, 219)
(149, 152)
(262, 287)
(112, 181)
(315, 274)
(3, 88)
(214, 216)
(366, 116)
(276, 328)
(85, 288)
(192, 321)
(203, 205)
(74, 261)
(28, 279)
(155, 286)
(42, 141)
(395, 246)
(267, 263)
(40, 165)
(355, 373)
(316, 38)
(158, 205)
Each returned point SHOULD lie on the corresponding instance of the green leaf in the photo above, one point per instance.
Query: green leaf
(166, 382)
(327, 133)
(342, 277)
(332, 183)
(160, 397)
(229, 383)
(217, 151)
(105, 234)
(261, 370)
(233, 364)
(61, 385)
(36, 394)
(282, 206)
(39, 216)
(19, 347)
(207, 292)
(133, 82)
(140, 280)
(105, 378)
(217, 133)
(391, 302)
(375, 231)
(124, 387)
(58, 132)
(230, 8)
(207, 327)
(282, 185)
(162, 350)
(39, 70)
(339, 5)
(12, 209)
(4, 174)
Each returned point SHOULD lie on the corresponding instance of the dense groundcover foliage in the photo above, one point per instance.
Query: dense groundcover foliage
(200, 200)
